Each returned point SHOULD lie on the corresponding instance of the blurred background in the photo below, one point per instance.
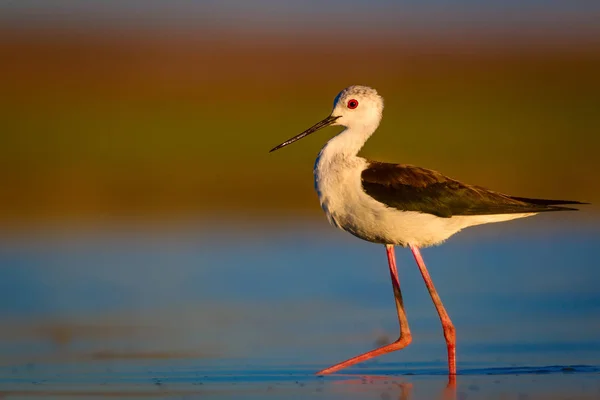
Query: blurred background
(142, 217)
(154, 109)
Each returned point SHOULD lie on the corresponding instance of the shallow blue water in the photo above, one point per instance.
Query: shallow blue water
(292, 297)
(193, 379)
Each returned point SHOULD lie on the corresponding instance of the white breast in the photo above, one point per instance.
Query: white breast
(348, 207)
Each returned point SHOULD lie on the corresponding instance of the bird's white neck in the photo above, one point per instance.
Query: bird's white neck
(349, 142)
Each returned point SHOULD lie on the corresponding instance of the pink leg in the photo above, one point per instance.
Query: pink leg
(449, 331)
(405, 337)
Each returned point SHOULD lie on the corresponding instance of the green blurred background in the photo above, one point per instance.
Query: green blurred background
(166, 110)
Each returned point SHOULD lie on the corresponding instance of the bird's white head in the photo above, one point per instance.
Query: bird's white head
(358, 108)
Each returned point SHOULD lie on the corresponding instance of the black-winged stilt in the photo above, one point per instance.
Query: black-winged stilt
(399, 204)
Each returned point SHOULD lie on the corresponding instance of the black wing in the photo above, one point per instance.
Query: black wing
(410, 188)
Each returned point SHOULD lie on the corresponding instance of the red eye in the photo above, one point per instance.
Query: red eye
(352, 104)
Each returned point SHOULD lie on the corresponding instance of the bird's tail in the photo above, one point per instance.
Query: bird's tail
(553, 205)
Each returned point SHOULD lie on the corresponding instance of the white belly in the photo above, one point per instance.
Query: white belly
(348, 207)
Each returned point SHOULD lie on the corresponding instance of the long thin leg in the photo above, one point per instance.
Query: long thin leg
(405, 336)
(449, 331)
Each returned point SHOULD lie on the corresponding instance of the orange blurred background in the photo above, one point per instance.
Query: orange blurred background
(136, 110)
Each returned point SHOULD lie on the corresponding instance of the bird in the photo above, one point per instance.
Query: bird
(400, 204)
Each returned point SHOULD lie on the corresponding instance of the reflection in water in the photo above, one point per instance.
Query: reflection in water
(450, 389)
(189, 379)
(405, 388)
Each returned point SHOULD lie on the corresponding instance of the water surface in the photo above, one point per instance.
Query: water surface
(248, 312)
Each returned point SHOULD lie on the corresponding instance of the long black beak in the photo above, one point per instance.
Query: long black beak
(326, 122)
